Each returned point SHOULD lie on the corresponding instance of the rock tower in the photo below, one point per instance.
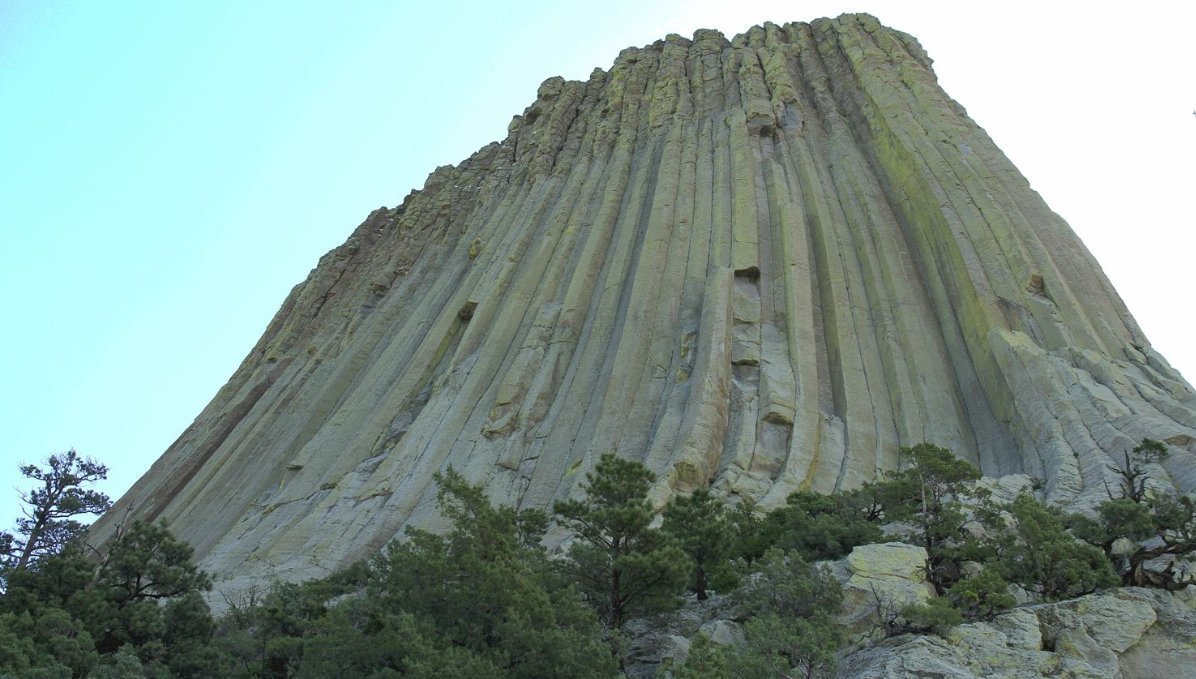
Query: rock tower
(763, 264)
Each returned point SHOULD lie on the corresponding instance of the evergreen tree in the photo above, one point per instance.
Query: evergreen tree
(786, 584)
(787, 647)
(46, 642)
(265, 633)
(789, 607)
(927, 492)
(146, 598)
(482, 600)
(146, 562)
(1037, 553)
(359, 639)
(142, 599)
(139, 593)
(981, 596)
(707, 660)
(622, 564)
(822, 527)
(751, 536)
(935, 615)
(698, 523)
(49, 524)
(488, 586)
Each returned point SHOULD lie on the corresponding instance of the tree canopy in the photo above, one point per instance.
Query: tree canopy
(48, 524)
(622, 564)
(485, 597)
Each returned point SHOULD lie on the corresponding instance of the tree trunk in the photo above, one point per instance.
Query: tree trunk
(616, 601)
(31, 541)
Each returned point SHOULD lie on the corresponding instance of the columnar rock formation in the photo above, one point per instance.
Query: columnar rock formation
(763, 264)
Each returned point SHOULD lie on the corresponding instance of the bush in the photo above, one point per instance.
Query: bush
(790, 606)
(785, 584)
(1037, 553)
(981, 596)
(822, 527)
(936, 615)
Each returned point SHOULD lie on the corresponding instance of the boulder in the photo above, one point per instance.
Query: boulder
(1112, 620)
(906, 657)
(1021, 629)
(892, 574)
(723, 632)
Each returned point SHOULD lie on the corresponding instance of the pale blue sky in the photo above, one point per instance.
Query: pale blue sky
(169, 170)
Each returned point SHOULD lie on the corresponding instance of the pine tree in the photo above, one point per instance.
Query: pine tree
(699, 525)
(1038, 553)
(789, 606)
(623, 565)
(48, 524)
(488, 587)
(928, 492)
(821, 526)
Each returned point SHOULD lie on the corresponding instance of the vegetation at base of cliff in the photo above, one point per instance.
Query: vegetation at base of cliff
(701, 526)
(482, 599)
(486, 598)
(1138, 524)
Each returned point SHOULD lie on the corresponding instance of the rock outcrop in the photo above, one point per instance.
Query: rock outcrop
(1128, 633)
(763, 263)
(891, 574)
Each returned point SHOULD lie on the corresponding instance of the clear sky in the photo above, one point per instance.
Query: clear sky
(168, 170)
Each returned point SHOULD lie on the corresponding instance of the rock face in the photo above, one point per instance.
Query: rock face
(1131, 633)
(763, 263)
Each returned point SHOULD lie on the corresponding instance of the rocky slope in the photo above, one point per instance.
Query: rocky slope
(763, 263)
(1130, 633)
(1133, 633)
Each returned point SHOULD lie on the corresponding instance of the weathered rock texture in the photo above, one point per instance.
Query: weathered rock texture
(1128, 634)
(1131, 633)
(764, 263)
(891, 574)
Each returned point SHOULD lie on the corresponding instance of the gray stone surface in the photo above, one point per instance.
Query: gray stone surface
(891, 574)
(1021, 629)
(762, 264)
(723, 632)
(658, 642)
(1129, 633)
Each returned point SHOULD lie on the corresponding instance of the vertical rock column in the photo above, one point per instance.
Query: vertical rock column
(761, 264)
